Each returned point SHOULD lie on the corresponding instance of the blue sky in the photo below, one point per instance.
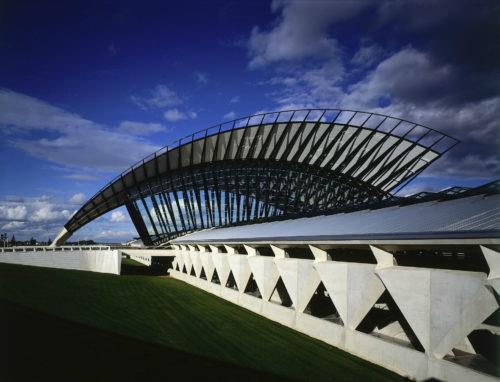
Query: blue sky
(87, 89)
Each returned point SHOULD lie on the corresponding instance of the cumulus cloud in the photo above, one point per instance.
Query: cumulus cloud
(440, 79)
(46, 213)
(12, 225)
(235, 99)
(174, 115)
(11, 211)
(40, 216)
(44, 216)
(73, 140)
(230, 115)
(141, 128)
(112, 234)
(78, 198)
(407, 76)
(367, 55)
(118, 216)
(159, 97)
(301, 31)
(80, 176)
(449, 31)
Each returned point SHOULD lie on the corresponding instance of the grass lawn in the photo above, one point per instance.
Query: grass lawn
(179, 324)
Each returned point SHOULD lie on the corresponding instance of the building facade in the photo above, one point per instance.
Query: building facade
(266, 167)
(295, 216)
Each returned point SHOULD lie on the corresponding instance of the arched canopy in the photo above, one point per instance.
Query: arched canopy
(267, 165)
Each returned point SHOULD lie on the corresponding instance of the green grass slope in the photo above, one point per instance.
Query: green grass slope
(176, 316)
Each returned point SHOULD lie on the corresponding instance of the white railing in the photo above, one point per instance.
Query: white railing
(55, 249)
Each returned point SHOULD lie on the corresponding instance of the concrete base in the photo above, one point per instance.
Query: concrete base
(401, 359)
(103, 261)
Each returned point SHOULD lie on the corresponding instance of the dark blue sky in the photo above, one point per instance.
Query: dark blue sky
(87, 89)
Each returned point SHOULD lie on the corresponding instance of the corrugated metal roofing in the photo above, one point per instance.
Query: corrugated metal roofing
(475, 216)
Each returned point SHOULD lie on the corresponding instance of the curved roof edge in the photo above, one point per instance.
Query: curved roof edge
(424, 143)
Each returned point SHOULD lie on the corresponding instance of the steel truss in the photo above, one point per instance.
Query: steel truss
(268, 166)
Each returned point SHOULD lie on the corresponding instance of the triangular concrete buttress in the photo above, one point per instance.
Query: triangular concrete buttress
(493, 259)
(353, 287)
(441, 306)
(188, 263)
(265, 273)
(180, 260)
(241, 270)
(300, 279)
(196, 261)
(222, 266)
(208, 264)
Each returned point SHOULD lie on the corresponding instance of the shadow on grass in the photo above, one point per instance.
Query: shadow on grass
(159, 267)
(39, 347)
(140, 270)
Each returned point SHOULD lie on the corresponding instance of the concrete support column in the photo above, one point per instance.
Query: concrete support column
(265, 273)
(188, 263)
(240, 268)
(441, 306)
(221, 264)
(194, 254)
(493, 259)
(178, 257)
(298, 275)
(353, 287)
(207, 262)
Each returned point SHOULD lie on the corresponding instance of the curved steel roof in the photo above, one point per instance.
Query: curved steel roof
(468, 214)
(372, 152)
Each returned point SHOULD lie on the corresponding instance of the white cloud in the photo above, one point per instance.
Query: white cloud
(46, 213)
(367, 55)
(174, 115)
(80, 176)
(410, 85)
(73, 142)
(301, 31)
(235, 99)
(311, 70)
(160, 97)
(13, 212)
(471, 166)
(43, 217)
(230, 115)
(408, 75)
(78, 198)
(112, 234)
(313, 87)
(141, 128)
(12, 225)
(118, 216)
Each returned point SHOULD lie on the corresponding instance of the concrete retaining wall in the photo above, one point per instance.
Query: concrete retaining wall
(102, 261)
(401, 359)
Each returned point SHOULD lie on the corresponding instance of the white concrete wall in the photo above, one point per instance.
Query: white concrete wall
(441, 306)
(103, 261)
(143, 259)
(144, 256)
(147, 252)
